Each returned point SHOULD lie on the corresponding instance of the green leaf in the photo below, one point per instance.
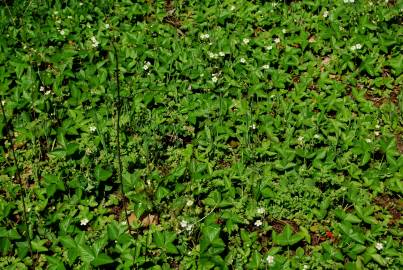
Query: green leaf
(68, 242)
(102, 174)
(37, 245)
(102, 259)
(55, 263)
(86, 254)
(287, 238)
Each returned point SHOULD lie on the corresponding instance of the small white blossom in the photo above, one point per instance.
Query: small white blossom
(253, 126)
(242, 60)
(107, 26)
(377, 126)
(277, 40)
(265, 67)
(93, 128)
(368, 140)
(3, 102)
(348, 1)
(81, 4)
(42, 88)
(204, 36)
(213, 55)
(379, 246)
(214, 79)
(232, 8)
(147, 65)
(270, 259)
(258, 223)
(306, 267)
(62, 32)
(269, 47)
(325, 14)
(261, 210)
(183, 223)
(69, 17)
(189, 203)
(95, 42)
(84, 222)
(245, 41)
(222, 54)
(300, 139)
(284, 31)
(47, 93)
(356, 47)
(377, 133)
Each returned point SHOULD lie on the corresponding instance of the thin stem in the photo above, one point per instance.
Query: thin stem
(118, 107)
(18, 176)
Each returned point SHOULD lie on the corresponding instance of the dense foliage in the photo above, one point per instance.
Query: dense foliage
(254, 134)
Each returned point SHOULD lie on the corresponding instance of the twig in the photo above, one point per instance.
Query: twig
(18, 176)
(118, 107)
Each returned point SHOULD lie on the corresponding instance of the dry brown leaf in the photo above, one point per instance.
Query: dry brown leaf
(149, 219)
(132, 218)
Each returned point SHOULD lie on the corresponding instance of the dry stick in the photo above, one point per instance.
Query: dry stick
(119, 105)
(18, 175)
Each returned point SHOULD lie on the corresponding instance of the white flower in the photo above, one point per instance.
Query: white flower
(214, 78)
(348, 1)
(84, 222)
(183, 223)
(95, 42)
(242, 60)
(47, 93)
(284, 31)
(265, 67)
(213, 55)
(3, 102)
(379, 246)
(232, 8)
(269, 47)
(300, 139)
(107, 26)
(81, 4)
(274, 4)
(368, 140)
(42, 88)
(189, 203)
(377, 133)
(377, 126)
(277, 40)
(260, 210)
(258, 223)
(305, 267)
(356, 47)
(62, 32)
(316, 136)
(270, 259)
(69, 17)
(222, 54)
(187, 226)
(325, 14)
(204, 36)
(93, 128)
(146, 65)
(245, 41)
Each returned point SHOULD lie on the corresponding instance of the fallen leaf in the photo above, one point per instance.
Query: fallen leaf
(149, 220)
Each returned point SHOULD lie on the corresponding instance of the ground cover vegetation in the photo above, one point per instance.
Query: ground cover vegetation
(253, 134)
